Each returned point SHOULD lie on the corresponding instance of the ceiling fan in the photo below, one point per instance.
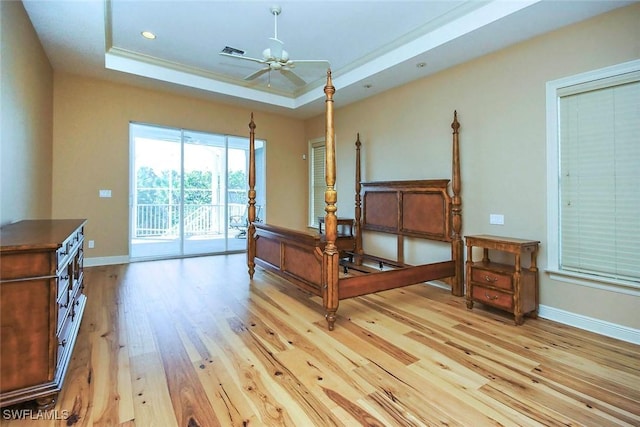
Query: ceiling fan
(274, 57)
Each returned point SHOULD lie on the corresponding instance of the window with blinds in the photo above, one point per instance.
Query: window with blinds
(599, 178)
(317, 184)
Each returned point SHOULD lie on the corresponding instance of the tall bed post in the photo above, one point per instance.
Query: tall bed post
(358, 211)
(331, 257)
(457, 287)
(251, 241)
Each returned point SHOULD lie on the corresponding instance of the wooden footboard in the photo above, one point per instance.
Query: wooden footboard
(294, 255)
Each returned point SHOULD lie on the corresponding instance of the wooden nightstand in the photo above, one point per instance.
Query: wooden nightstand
(345, 226)
(344, 241)
(506, 286)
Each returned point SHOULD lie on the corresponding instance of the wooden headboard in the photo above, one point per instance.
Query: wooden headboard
(428, 209)
(408, 208)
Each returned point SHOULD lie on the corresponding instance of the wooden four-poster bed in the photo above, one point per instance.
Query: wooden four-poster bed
(335, 268)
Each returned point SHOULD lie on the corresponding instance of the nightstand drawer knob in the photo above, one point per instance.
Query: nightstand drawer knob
(489, 297)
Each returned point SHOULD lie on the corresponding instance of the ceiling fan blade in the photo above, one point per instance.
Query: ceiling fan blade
(257, 74)
(293, 77)
(246, 58)
(294, 62)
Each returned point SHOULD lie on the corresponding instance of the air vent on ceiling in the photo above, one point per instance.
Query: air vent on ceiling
(232, 51)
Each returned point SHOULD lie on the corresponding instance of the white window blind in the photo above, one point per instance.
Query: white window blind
(599, 178)
(318, 154)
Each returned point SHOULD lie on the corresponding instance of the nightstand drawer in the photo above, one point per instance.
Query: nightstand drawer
(493, 297)
(491, 278)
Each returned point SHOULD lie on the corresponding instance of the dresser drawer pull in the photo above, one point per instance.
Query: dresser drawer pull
(62, 343)
(490, 279)
(489, 297)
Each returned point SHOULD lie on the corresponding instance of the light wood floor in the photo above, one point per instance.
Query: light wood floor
(192, 342)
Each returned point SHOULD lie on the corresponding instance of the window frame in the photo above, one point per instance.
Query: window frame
(553, 90)
(314, 143)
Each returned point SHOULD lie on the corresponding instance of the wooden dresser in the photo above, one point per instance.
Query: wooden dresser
(42, 302)
(505, 286)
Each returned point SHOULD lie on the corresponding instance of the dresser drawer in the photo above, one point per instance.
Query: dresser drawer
(69, 332)
(75, 241)
(64, 280)
(18, 265)
(483, 276)
(63, 252)
(64, 338)
(64, 306)
(493, 297)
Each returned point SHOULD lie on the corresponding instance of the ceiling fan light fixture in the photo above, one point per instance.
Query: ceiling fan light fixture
(269, 55)
(276, 49)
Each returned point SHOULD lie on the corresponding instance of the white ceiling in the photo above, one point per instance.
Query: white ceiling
(372, 46)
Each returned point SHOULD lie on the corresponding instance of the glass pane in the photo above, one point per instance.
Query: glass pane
(237, 187)
(204, 187)
(156, 225)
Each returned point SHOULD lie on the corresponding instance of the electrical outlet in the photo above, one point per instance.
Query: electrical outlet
(91, 244)
(496, 219)
(104, 193)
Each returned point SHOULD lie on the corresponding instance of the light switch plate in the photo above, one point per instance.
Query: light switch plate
(104, 193)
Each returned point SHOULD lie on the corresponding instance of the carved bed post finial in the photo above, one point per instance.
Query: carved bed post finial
(358, 210)
(251, 212)
(457, 288)
(331, 256)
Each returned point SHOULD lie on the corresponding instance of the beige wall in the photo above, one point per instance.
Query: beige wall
(500, 99)
(91, 152)
(26, 82)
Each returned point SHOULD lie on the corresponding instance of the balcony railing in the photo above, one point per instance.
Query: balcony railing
(163, 220)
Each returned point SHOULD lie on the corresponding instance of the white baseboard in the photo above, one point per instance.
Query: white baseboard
(598, 326)
(108, 260)
(602, 327)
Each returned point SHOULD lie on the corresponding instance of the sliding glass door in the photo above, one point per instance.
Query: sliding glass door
(189, 192)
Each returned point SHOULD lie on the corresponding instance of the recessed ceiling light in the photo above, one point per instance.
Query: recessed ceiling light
(367, 86)
(421, 64)
(148, 35)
